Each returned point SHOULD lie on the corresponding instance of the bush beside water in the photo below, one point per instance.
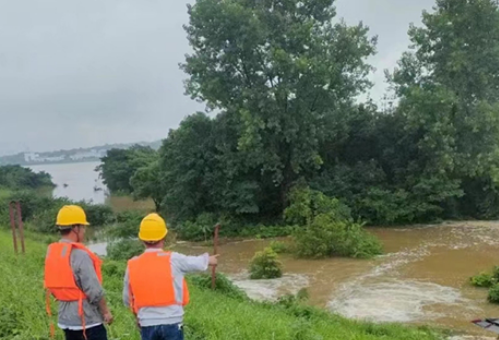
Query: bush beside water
(265, 265)
(490, 281)
(493, 296)
(329, 229)
(202, 228)
(483, 280)
(280, 247)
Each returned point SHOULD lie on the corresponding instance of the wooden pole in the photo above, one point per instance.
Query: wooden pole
(215, 252)
(20, 225)
(13, 225)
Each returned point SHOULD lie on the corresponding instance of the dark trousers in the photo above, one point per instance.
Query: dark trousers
(162, 332)
(94, 333)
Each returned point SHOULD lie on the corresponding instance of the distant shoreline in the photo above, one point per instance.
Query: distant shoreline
(80, 155)
(89, 160)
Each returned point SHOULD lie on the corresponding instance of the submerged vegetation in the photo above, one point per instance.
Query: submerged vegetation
(490, 281)
(329, 229)
(265, 265)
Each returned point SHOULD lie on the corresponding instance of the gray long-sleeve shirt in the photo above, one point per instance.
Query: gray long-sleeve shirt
(86, 279)
(181, 265)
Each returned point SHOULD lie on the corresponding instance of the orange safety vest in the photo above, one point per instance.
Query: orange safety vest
(151, 282)
(59, 279)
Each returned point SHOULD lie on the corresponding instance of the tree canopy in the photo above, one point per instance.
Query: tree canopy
(17, 177)
(281, 79)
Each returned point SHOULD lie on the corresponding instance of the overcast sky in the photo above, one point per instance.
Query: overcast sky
(85, 73)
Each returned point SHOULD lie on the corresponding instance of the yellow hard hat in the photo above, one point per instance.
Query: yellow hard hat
(152, 228)
(71, 215)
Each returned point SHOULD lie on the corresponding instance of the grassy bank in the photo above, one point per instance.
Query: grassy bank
(210, 316)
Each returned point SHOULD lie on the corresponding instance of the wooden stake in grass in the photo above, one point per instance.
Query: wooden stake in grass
(215, 251)
(13, 207)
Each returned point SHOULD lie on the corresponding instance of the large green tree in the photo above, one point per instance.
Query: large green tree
(449, 92)
(187, 163)
(286, 68)
(119, 165)
(147, 182)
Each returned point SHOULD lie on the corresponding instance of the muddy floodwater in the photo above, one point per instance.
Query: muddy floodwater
(423, 278)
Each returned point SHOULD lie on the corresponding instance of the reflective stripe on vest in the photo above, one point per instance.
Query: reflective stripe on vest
(59, 279)
(152, 282)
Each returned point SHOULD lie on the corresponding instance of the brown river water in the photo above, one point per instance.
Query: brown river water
(423, 278)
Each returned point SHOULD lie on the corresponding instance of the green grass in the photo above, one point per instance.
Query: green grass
(210, 315)
(4, 192)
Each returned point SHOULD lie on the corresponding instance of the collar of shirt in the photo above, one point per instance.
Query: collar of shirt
(151, 250)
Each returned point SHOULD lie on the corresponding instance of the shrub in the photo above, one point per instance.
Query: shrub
(493, 296)
(327, 228)
(200, 229)
(39, 210)
(265, 265)
(326, 236)
(134, 216)
(262, 231)
(127, 225)
(98, 215)
(483, 280)
(290, 299)
(44, 221)
(31, 203)
(279, 247)
(294, 305)
(124, 249)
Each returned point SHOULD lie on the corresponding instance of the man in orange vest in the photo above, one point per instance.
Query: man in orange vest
(73, 276)
(154, 284)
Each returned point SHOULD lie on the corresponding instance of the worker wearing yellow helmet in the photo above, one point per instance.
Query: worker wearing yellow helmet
(73, 276)
(154, 285)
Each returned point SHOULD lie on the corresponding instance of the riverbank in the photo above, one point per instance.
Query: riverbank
(210, 316)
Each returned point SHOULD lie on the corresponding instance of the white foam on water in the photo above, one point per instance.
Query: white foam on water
(381, 296)
(270, 290)
(475, 235)
(396, 260)
(392, 300)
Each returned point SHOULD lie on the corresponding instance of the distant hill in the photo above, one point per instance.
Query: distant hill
(69, 156)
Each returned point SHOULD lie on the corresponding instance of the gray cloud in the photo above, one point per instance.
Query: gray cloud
(83, 73)
(389, 20)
